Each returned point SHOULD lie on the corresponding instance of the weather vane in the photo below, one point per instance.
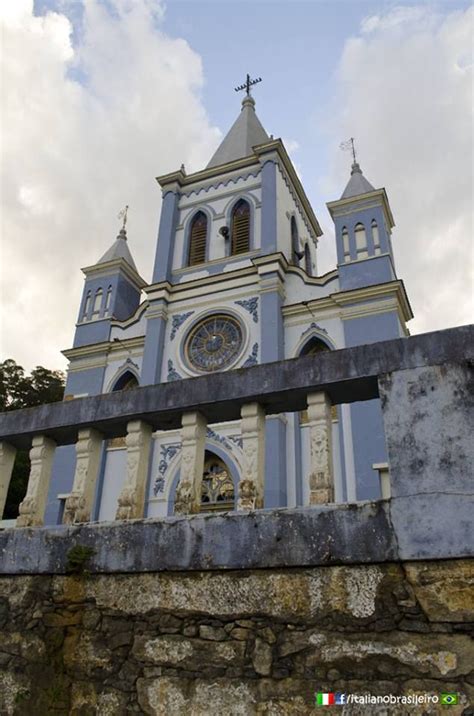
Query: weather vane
(349, 145)
(248, 84)
(123, 215)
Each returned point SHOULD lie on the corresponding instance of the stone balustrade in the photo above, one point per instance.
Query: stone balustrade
(390, 370)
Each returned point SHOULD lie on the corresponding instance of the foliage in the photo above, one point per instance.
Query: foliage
(77, 559)
(18, 390)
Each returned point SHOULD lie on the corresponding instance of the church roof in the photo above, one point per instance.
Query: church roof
(119, 250)
(245, 133)
(357, 184)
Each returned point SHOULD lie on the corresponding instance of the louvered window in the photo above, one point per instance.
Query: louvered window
(307, 260)
(294, 242)
(241, 228)
(197, 240)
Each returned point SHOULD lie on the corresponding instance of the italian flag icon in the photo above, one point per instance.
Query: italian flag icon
(325, 699)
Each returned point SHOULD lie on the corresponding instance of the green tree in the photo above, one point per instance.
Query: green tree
(18, 390)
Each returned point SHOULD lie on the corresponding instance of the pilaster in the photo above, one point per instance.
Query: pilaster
(131, 502)
(193, 440)
(78, 505)
(33, 506)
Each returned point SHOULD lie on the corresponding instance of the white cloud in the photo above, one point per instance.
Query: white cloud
(405, 93)
(74, 153)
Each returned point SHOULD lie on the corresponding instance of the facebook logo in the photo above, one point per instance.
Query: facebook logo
(340, 699)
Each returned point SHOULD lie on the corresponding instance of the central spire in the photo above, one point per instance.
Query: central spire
(245, 133)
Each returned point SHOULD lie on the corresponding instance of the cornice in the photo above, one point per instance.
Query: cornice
(345, 206)
(105, 269)
(103, 349)
(349, 302)
(273, 150)
(264, 152)
(133, 319)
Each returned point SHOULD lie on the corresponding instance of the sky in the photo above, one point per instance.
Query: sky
(100, 97)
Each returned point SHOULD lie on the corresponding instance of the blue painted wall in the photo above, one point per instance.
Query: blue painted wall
(88, 381)
(166, 235)
(271, 322)
(269, 207)
(153, 351)
(275, 463)
(366, 272)
(366, 418)
(62, 478)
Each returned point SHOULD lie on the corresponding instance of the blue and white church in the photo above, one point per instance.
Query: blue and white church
(235, 283)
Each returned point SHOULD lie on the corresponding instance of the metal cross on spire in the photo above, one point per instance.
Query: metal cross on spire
(123, 215)
(349, 145)
(248, 84)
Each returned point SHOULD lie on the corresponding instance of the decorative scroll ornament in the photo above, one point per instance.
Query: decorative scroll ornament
(250, 305)
(177, 322)
(172, 373)
(167, 453)
(314, 327)
(252, 359)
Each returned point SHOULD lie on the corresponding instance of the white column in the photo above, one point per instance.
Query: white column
(251, 485)
(131, 502)
(7, 460)
(33, 506)
(384, 479)
(321, 476)
(78, 505)
(188, 491)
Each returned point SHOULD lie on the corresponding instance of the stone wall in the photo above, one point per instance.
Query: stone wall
(236, 642)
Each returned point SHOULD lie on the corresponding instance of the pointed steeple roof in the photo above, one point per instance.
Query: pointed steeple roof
(245, 133)
(119, 250)
(357, 184)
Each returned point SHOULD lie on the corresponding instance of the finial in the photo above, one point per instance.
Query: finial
(349, 145)
(248, 84)
(183, 169)
(123, 215)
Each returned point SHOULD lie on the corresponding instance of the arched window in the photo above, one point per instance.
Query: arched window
(240, 228)
(107, 298)
(217, 491)
(376, 238)
(197, 239)
(97, 302)
(127, 381)
(313, 346)
(345, 244)
(307, 260)
(295, 249)
(361, 241)
(87, 306)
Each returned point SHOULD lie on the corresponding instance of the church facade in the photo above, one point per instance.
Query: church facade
(235, 283)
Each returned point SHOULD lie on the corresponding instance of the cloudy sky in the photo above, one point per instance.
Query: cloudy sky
(100, 97)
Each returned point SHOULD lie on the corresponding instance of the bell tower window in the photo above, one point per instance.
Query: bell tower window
(87, 306)
(240, 228)
(376, 238)
(345, 245)
(307, 260)
(197, 240)
(97, 302)
(361, 241)
(295, 253)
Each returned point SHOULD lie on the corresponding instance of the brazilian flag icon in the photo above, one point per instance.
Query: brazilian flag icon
(449, 699)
